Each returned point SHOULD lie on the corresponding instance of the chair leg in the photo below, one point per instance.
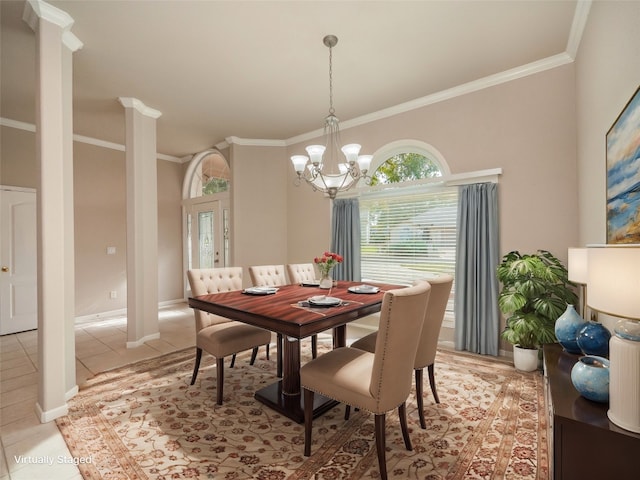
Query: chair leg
(254, 354)
(233, 360)
(347, 411)
(197, 365)
(266, 347)
(279, 355)
(402, 414)
(419, 399)
(432, 382)
(380, 445)
(308, 420)
(219, 379)
(314, 346)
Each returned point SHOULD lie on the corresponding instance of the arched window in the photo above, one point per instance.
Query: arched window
(405, 167)
(206, 207)
(408, 217)
(207, 174)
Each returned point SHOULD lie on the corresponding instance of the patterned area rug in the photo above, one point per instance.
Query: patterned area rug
(145, 421)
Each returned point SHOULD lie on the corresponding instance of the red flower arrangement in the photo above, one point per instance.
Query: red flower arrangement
(327, 261)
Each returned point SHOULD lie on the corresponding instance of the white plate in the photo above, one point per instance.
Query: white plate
(324, 301)
(260, 290)
(364, 289)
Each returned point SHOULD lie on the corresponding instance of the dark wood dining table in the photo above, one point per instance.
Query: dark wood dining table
(286, 312)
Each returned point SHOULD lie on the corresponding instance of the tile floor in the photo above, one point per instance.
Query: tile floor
(100, 346)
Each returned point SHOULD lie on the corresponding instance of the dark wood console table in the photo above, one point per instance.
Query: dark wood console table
(583, 443)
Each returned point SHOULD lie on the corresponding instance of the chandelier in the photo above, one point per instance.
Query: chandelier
(311, 168)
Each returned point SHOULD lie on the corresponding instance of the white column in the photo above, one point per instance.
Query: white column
(54, 150)
(142, 222)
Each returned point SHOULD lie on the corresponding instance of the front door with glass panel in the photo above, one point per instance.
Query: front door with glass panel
(206, 236)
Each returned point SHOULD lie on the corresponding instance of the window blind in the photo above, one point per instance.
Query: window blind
(407, 236)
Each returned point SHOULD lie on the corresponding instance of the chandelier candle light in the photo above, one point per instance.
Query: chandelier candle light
(311, 168)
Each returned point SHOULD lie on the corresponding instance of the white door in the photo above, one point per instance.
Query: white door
(206, 235)
(18, 249)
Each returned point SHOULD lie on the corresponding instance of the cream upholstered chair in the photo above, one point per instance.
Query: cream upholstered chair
(270, 276)
(375, 382)
(299, 273)
(426, 356)
(218, 335)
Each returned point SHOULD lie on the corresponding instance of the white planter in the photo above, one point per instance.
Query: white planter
(525, 359)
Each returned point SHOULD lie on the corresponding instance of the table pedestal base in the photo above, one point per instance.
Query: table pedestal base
(292, 406)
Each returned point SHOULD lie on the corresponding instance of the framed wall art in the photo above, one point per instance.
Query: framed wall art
(623, 175)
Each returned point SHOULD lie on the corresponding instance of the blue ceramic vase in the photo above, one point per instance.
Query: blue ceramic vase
(590, 376)
(567, 327)
(593, 339)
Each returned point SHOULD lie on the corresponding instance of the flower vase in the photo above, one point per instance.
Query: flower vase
(590, 376)
(326, 281)
(567, 327)
(593, 339)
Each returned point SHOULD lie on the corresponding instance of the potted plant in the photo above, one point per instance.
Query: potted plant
(535, 292)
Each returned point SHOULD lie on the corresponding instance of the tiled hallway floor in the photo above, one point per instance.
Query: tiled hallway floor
(100, 346)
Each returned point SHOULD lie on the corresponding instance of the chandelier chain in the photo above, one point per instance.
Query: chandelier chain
(331, 109)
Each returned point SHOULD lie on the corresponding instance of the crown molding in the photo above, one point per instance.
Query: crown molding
(255, 142)
(470, 87)
(29, 127)
(577, 26)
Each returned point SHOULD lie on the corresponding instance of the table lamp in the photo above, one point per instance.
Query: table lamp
(614, 288)
(577, 268)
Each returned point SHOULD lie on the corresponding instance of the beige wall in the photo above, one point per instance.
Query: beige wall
(100, 219)
(545, 131)
(17, 158)
(607, 75)
(526, 127)
(259, 206)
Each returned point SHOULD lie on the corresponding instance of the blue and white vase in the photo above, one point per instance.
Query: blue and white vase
(593, 339)
(567, 327)
(590, 376)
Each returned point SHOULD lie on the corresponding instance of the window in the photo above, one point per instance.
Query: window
(408, 231)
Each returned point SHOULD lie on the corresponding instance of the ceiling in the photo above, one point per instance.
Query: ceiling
(259, 69)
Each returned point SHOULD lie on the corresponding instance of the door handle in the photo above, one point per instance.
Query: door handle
(5, 269)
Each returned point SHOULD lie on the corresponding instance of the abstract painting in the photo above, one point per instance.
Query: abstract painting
(623, 175)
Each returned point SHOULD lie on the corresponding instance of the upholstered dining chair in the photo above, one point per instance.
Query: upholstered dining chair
(300, 273)
(218, 335)
(426, 355)
(270, 276)
(375, 382)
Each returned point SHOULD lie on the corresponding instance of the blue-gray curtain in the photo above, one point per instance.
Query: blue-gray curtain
(345, 238)
(476, 297)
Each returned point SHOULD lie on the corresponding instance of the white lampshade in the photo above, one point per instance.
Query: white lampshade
(315, 153)
(614, 288)
(364, 162)
(331, 180)
(351, 152)
(577, 265)
(614, 280)
(299, 161)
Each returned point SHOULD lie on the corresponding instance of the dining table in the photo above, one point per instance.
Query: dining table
(286, 310)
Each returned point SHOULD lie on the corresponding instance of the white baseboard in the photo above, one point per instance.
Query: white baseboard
(94, 317)
(137, 343)
(50, 415)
